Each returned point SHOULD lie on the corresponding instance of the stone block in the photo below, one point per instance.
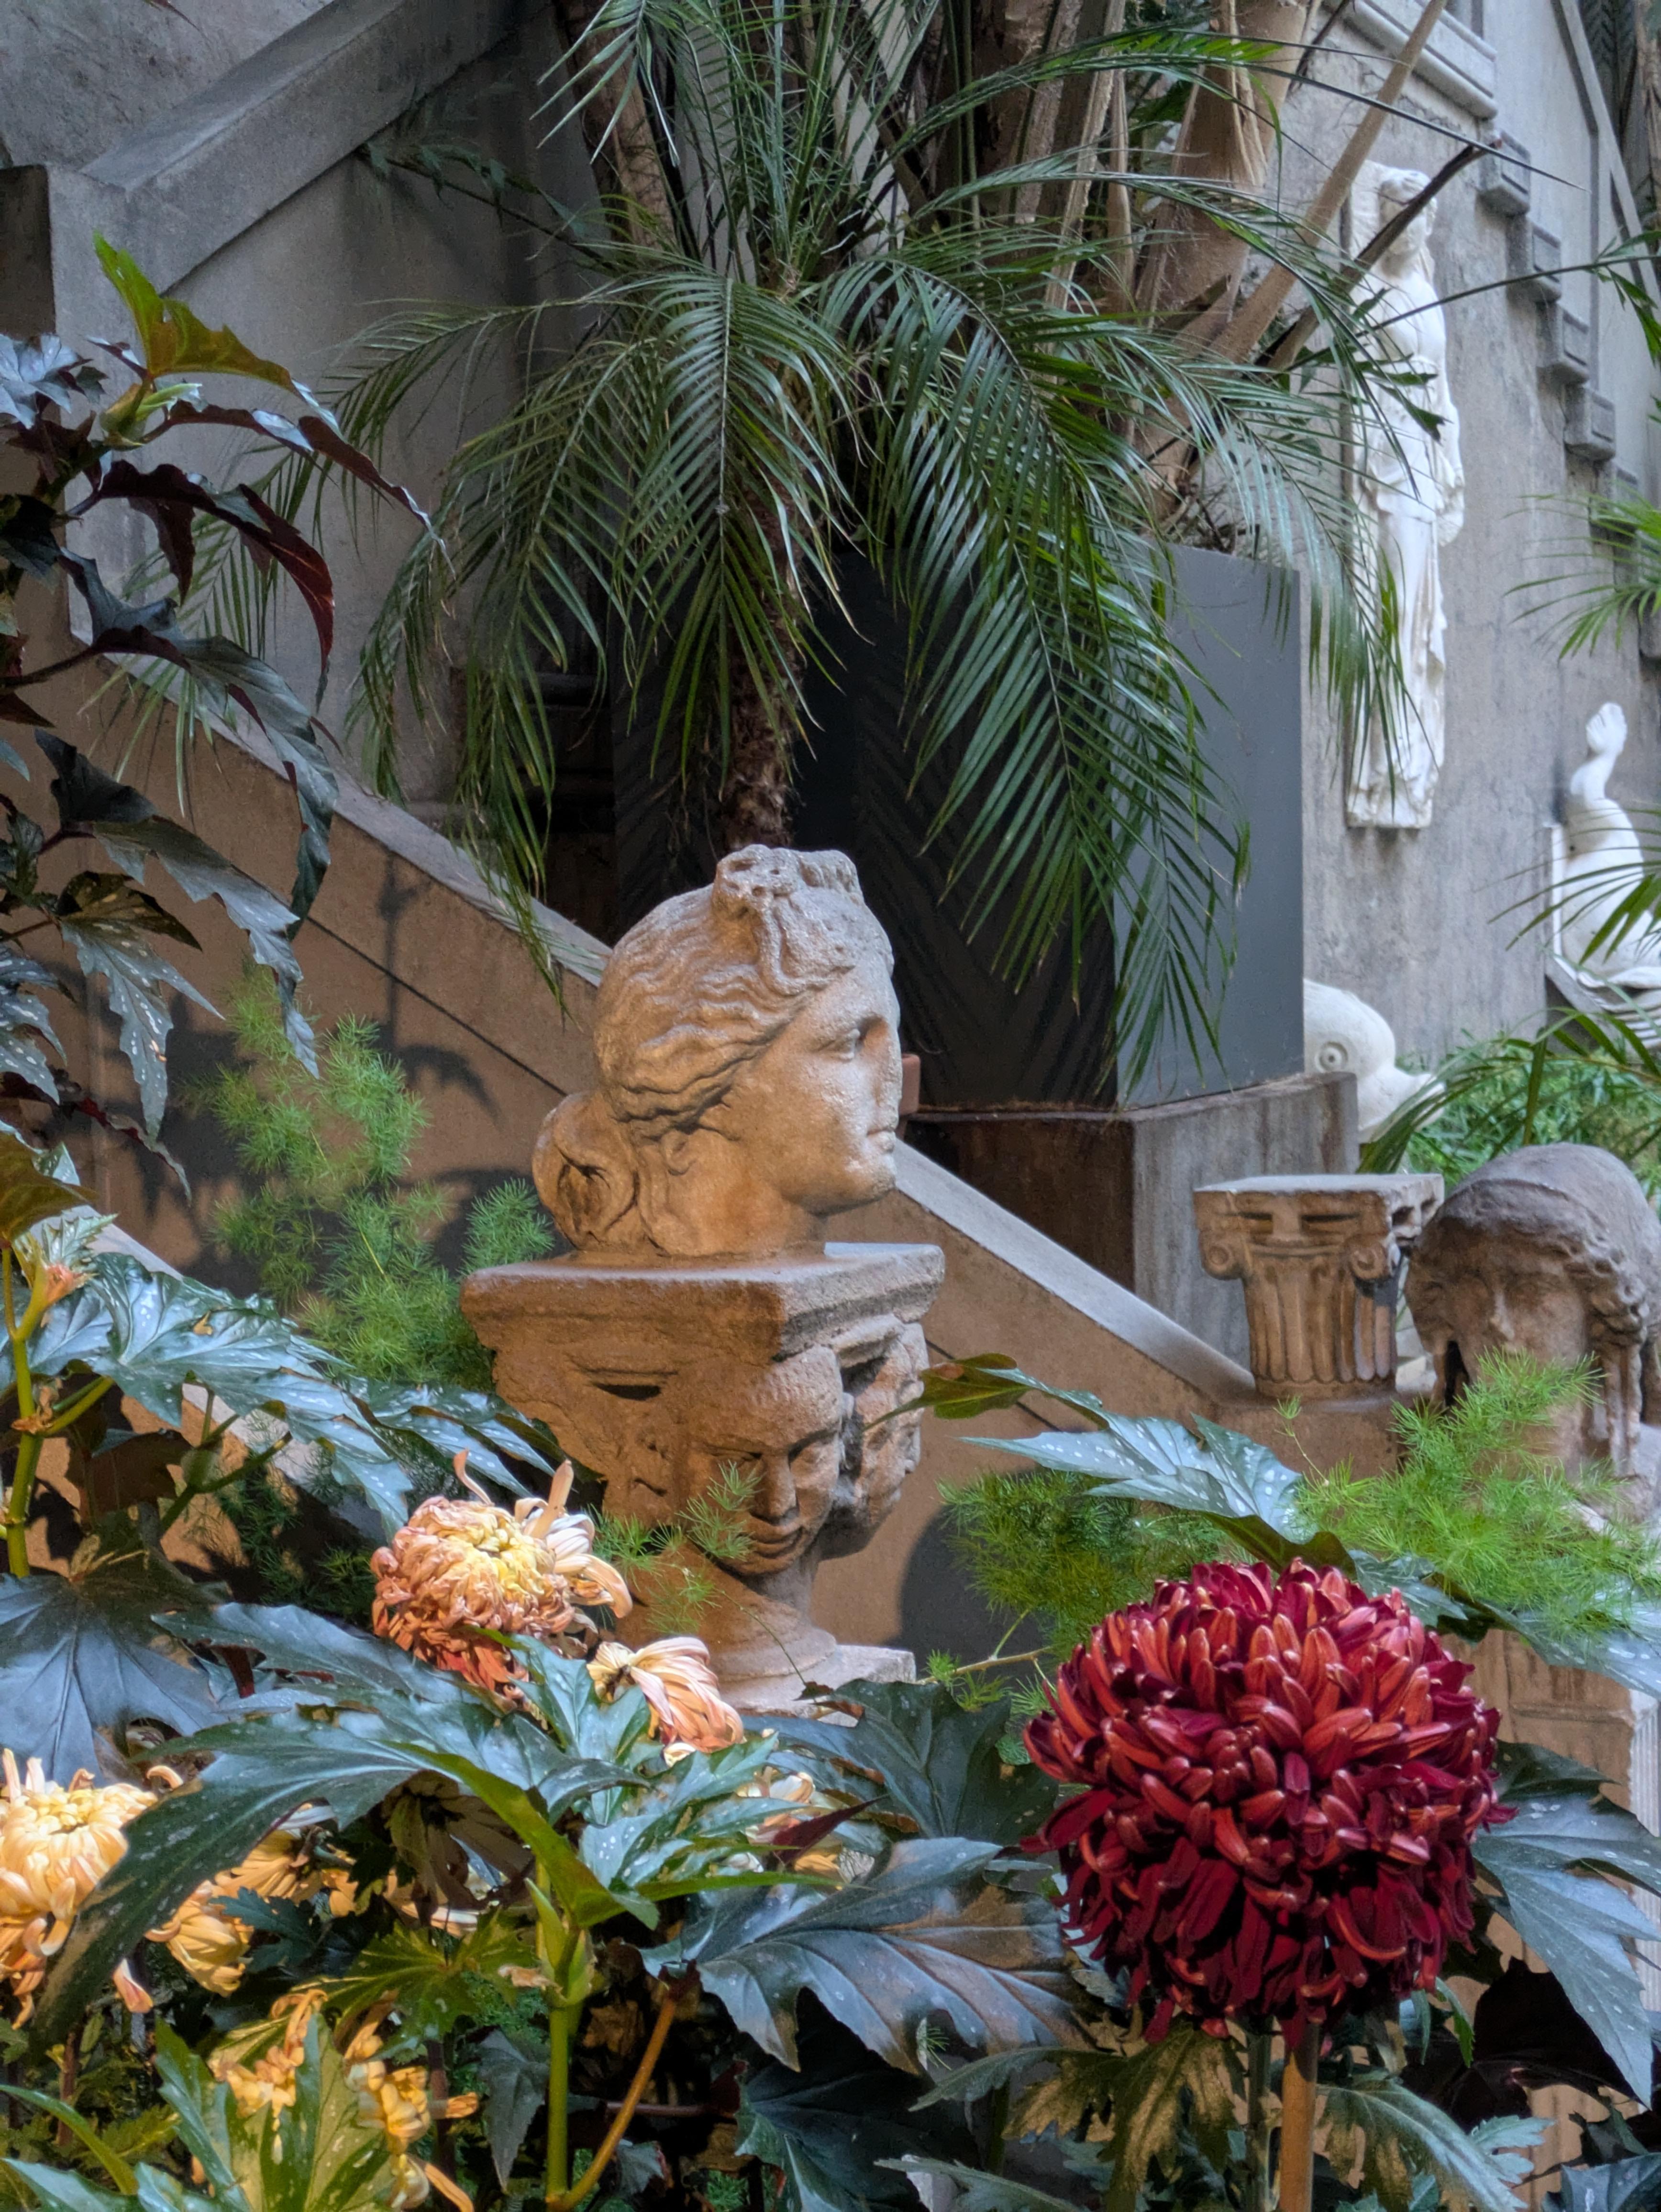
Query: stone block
(1114, 1187)
(1534, 260)
(1565, 348)
(1320, 1259)
(1504, 179)
(661, 1375)
(1589, 426)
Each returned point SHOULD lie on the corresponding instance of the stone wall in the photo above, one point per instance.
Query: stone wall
(1416, 920)
(232, 170)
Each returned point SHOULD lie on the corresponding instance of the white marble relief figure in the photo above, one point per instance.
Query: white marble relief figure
(1410, 486)
(1604, 859)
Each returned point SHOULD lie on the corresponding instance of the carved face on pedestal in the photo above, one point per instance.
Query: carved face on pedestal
(1554, 1253)
(780, 1428)
(748, 1043)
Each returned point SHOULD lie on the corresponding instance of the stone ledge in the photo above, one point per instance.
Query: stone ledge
(1457, 61)
(176, 192)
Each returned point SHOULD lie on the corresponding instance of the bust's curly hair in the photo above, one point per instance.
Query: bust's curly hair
(692, 993)
(1574, 1204)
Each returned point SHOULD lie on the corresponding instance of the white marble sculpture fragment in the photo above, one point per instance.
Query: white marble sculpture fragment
(1411, 487)
(1343, 1034)
(1603, 863)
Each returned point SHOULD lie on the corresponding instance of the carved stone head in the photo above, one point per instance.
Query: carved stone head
(1396, 188)
(779, 1431)
(1552, 1251)
(748, 1042)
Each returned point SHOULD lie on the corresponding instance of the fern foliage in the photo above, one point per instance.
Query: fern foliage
(1477, 1498)
(1478, 1502)
(339, 1232)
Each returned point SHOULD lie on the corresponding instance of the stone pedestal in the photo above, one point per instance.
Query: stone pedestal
(1322, 1259)
(681, 1382)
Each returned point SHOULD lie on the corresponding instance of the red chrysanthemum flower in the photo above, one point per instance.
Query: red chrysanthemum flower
(1282, 1778)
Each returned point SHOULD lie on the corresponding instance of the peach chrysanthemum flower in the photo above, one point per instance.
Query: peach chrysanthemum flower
(677, 1680)
(461, 1570)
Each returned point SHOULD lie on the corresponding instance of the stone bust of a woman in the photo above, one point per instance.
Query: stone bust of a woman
(1554, 1252)
(747, 1038)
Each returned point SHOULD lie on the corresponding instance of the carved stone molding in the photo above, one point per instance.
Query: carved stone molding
(661, 1375)
(1320, 1259)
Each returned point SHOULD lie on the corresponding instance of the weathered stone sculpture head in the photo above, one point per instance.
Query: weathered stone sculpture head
(748, 1042)
(1552, 1251)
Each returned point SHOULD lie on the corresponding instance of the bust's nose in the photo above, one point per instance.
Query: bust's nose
(774, 1497)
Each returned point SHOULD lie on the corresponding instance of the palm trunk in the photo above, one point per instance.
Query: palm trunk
(1228, 137)
(754, 798)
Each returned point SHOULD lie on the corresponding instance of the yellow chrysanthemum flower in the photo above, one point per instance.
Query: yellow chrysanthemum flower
(57, 1844)
(210, 1942)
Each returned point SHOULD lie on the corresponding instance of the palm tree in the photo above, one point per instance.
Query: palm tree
(843, 297)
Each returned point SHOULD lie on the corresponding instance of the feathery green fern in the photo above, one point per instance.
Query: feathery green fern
(339, 1234)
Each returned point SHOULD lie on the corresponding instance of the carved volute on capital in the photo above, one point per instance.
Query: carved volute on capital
(747, 1038)
(1320, 1259)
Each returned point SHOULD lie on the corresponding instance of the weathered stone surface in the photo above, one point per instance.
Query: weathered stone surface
(663, 1374)
(1555, 1252)
(1320, 1257)
(748, 1041)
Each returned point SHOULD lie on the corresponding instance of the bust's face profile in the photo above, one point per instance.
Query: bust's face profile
(817, 1114)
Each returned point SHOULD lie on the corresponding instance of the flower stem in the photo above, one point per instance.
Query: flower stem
(557, 2165)
(668, 1997)
(21, 1493)
(1259, 2054)
(1297, 2121)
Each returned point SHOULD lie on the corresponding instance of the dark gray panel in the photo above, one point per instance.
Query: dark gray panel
(1238, 622)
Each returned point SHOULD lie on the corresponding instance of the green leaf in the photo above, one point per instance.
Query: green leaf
(962, 1390)
(837, 2127)
(514, 2072)
(1397, 2136)
(139, 983)
(172, 338)
(80, 1653)
(61, 2190)
(939, 1762)
(924, 1934)
(154, 1334)
(111, 2160)
(27, 1195)
(227, 677)
(437, 1981)
(322, 2154)
(975, 2190)
(1626, 2184)
(132, 832)
(1183, 2084)
(1546, 1861)
(268, 1764)
(1229, 1479)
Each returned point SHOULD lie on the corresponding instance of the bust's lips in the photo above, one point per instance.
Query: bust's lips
(773, 1543)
